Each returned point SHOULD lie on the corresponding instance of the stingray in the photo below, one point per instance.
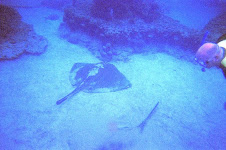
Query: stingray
(95, 78)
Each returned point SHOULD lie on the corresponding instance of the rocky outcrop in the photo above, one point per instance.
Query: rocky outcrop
(216, 28)
(133, 32)
(125, 9)
(17, 37)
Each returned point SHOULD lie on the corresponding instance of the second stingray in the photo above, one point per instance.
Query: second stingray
(96, 78)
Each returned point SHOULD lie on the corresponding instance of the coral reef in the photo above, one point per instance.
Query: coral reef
(17, 37)
(216, 28)
(112, 26)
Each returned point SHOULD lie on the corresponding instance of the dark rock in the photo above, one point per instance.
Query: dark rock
(216, 28)
(10, 19)
(17, 37)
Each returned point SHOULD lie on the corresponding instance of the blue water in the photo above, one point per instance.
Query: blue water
(176, 104)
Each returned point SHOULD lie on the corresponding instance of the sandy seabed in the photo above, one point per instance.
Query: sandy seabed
(190, 114)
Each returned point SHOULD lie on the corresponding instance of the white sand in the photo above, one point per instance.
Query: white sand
(190, 114)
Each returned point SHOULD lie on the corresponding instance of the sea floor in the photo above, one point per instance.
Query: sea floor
(190, 114)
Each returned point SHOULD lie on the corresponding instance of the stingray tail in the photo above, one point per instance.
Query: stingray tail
(143, 123)
(75, 91)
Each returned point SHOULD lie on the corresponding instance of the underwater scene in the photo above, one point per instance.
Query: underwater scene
(112, 74)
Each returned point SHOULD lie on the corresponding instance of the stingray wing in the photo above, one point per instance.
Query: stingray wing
(99, 77)
(106, 79)
(79, 73)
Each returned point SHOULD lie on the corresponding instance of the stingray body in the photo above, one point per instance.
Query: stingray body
(94, 78)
